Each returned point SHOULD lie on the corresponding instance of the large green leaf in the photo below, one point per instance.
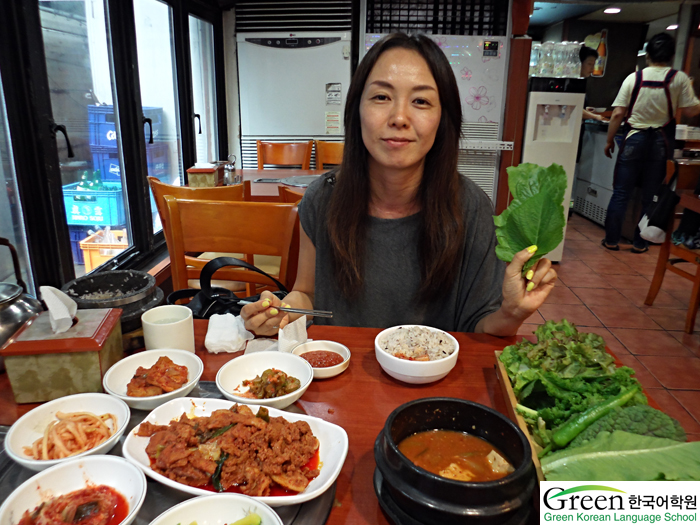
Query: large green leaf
(536, 214)
(622, 456)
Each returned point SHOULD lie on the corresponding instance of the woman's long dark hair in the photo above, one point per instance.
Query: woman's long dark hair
(439, 194)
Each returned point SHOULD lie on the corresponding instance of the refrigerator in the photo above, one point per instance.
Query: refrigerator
(552, 129)
(292, 87)
(480, 66)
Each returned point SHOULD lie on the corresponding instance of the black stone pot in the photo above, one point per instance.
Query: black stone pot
(432, 499)
(131, 290)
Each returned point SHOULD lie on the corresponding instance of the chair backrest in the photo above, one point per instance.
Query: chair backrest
(289, 195)
(285, 153)
(219, 193)
(263, 228)
(328, 153)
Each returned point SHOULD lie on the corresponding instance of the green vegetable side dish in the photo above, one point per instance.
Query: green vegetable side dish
(590, 417)
(272, 383)
(535, 216)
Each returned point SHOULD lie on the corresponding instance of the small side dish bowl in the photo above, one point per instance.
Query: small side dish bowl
(31, 426)
(328, 346)
(415, 372)
(118, 376)
(217, 509)
(229, 379)
(77, 474)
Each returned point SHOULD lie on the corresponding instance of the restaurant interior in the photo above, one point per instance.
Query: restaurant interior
(134, 132)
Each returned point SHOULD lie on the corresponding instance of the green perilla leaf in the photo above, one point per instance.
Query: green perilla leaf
(536, 214)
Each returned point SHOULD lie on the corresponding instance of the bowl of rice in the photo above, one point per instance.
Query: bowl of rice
(416, 354)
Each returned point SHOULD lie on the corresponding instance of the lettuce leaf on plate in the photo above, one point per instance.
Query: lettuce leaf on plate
(622, 456)
(536, 213)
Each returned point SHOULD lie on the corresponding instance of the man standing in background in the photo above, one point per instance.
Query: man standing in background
(648, 100)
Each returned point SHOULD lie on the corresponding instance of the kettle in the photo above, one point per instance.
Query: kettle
(16, 306)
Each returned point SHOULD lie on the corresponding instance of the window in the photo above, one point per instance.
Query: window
(11, 221)
(100, 94)
(81, 83)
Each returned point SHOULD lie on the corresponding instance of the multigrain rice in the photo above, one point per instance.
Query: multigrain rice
(417, 343)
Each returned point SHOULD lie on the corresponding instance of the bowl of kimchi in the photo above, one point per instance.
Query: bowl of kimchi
(106, 488)
(153, 377)
(66, 428)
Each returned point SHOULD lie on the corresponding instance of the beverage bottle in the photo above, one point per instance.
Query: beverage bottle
(599, 67)
(83, 181)
(97, 180)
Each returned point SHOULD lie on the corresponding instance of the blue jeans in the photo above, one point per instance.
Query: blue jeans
(641, 161)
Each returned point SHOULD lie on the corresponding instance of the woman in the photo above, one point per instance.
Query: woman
(396, 235)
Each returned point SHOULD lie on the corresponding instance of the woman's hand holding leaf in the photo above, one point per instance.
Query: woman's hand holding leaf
(522, 296)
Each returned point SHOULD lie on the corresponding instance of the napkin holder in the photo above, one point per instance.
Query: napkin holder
(42, 365)
(205, 177)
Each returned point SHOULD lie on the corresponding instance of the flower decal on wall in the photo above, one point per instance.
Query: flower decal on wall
(441, 41)
(477, 97)
(466, 73)
(484, 120)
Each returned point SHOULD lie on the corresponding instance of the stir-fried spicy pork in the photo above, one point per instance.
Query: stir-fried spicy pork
(163, 376)
(234, 448)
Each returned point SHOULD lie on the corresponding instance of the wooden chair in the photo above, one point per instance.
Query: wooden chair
(670, 254)
(232, 227)
(285, 153)
(328, 153)
(219, 193)
(288, 195)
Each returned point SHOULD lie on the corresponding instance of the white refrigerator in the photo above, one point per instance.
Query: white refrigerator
(552, 129)
(292, 87)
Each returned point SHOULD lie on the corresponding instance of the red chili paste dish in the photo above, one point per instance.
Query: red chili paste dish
(323, 358)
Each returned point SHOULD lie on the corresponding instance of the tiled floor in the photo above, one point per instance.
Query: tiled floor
(603, 291)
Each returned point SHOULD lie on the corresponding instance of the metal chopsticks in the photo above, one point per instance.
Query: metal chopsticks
(314, 313)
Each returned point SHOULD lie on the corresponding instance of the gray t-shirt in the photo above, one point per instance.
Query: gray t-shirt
(392, 268)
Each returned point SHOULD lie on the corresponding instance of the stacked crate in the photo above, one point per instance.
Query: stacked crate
(93, 209)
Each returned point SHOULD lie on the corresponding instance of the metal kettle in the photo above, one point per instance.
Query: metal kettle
(16, 306)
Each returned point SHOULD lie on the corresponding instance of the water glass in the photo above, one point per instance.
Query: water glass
(169, 326)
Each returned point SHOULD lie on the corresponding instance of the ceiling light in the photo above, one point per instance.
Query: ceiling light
(672, 27)
(612, 10)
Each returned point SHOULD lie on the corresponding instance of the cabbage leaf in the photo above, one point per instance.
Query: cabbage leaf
(535, 216)
(622, 456)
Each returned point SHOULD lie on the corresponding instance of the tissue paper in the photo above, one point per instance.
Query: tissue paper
(226, 333)
(61, 308)
(292, 335)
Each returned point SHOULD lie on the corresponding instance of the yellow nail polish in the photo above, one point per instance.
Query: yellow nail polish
(274, 311)
(529, 275)
(265, 303)
(530, 286)
(285, 305)
(532, 249)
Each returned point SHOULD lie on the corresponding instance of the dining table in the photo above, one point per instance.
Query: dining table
(359, 400)
(269, 191)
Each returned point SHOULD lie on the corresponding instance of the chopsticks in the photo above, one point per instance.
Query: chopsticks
(314, 313)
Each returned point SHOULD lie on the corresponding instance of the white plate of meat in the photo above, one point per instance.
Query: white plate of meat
(148, 379)
(221, 446)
